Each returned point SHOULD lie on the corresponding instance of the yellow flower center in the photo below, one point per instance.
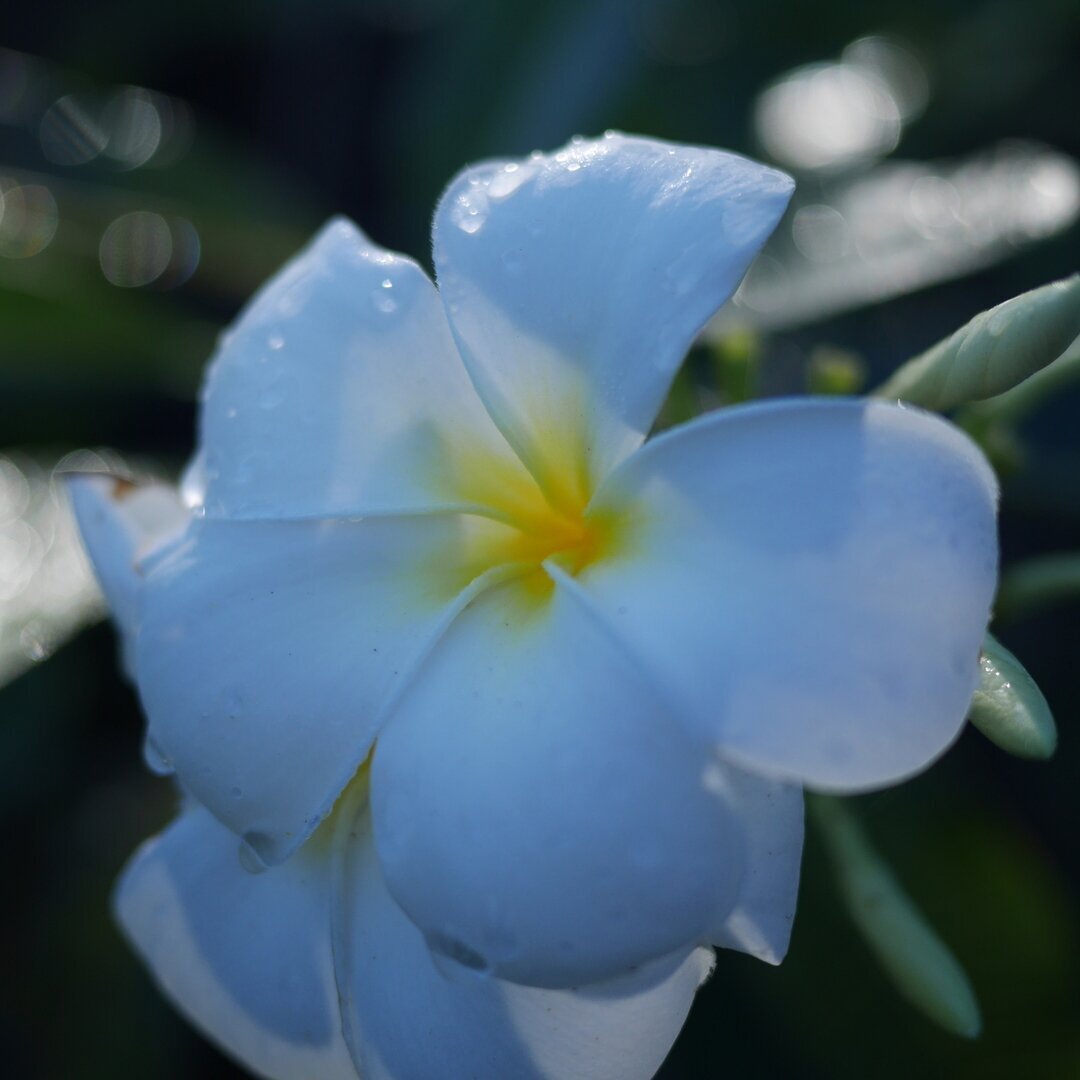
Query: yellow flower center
(568, 536)
(534, 524)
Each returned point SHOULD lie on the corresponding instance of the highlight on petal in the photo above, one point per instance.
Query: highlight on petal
(760, 923)
(575, 282)
(810, 580)
(539, 814)
(122, 523)
(268, 650)
(246, 957)
(339, 391)
(407, 1017)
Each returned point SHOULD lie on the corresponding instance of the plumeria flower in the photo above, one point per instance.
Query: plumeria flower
(512, 711)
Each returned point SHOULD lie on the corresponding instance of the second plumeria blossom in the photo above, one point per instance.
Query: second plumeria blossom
(481, 677)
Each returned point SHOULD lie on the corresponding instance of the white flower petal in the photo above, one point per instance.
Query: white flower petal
(811, 580)
(772, 813)
(337, 392)
(246, 957)
(120, 524)
(575, 282)
(538, 814)
(267, 650)
(408, 1019)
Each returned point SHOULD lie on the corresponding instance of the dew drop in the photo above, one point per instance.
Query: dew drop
(383, 301)
(509, 179)
(156, 759)
(470, 209)
(453, 949)
(250, 860)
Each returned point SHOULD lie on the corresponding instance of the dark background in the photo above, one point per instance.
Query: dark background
(273, 116)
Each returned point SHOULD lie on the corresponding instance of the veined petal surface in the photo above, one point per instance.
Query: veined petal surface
(811, 580)
(246, 957)
(339, 391)
(538, 813)
(268, 649)
(409, 1020)
(575, 282)
(121, 523)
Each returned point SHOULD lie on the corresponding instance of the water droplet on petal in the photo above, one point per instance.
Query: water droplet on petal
(249, 859)
(509, 179)
(451, 948)
(156, 759)
(383, 301)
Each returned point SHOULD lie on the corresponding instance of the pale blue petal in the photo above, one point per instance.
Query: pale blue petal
(336, 392)
(245, 957)
(538, 813)
(410, 1019)
(267, 651)
(120, 525)
(575, 282)
(810, 580)
(772, 813)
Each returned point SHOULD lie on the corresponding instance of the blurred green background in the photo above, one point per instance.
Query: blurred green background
(158, 162)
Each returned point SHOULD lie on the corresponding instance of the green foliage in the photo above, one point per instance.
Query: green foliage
(1037, 584)
(917, 961)
(1008, 707)
(996, 351)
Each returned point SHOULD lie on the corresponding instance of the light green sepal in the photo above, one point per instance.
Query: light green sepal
(918, 962)
(1008, 708)
(994, 352)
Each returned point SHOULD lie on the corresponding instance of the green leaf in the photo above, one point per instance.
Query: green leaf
(994, 352)
(1008, 707)
(1036, 584)
(920, 965)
